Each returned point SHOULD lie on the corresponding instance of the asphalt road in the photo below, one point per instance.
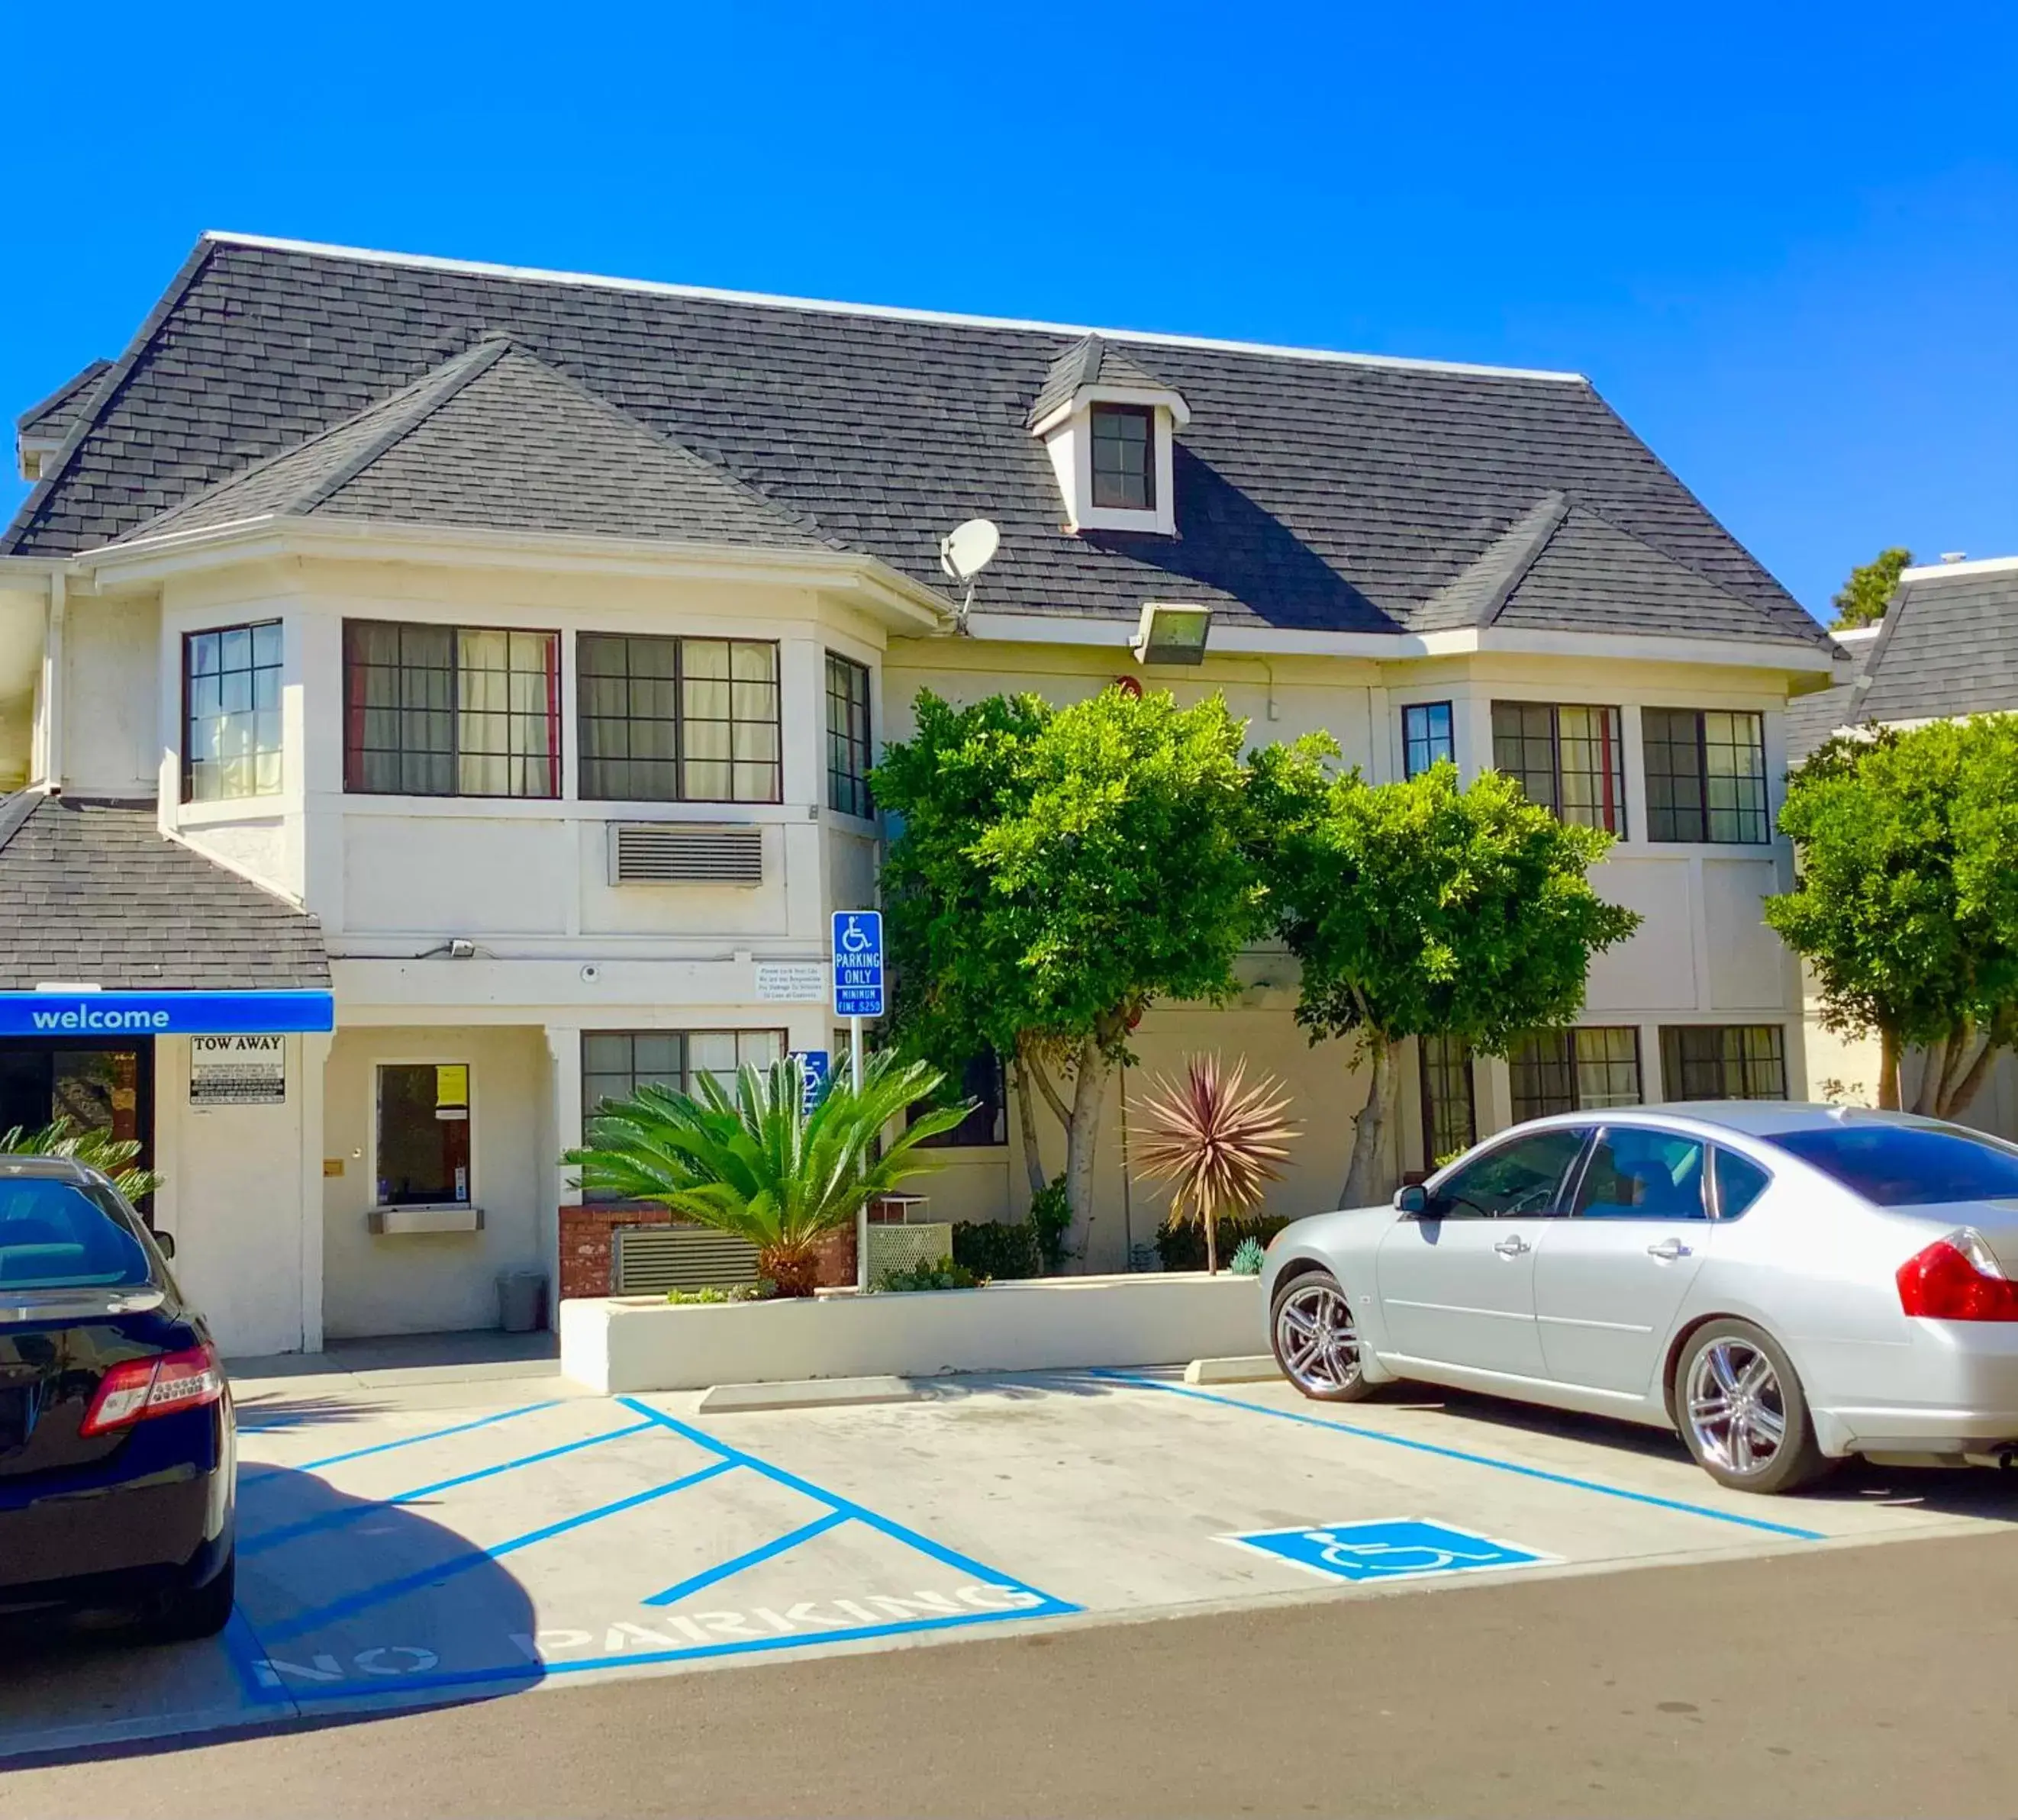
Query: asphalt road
(1879, 1680)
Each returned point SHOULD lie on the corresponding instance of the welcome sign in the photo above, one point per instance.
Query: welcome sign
(70, 1012)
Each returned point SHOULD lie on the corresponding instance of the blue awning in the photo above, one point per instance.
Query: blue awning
(69, 1014)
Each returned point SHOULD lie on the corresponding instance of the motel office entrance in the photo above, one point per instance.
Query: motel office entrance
(96, 1085)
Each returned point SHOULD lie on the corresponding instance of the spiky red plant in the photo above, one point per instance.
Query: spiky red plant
(1215, 1139)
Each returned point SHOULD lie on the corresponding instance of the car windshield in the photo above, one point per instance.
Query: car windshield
(57, 1235)
(1907, 1165)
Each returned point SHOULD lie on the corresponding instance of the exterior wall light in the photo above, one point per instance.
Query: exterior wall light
(1168, 634)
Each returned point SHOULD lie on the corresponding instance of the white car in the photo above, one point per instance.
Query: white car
(1784, 1285)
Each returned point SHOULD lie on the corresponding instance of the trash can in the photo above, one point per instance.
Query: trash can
(522, 1300)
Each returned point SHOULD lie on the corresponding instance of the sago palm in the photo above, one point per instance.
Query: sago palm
(1217, 1139)
(757, 1163)
(96, 1149)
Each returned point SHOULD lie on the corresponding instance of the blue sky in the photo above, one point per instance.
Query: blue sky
(1782, 241)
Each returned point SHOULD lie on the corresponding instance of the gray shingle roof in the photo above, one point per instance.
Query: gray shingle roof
(1310, 492)
(494, 438)
(1949, 646)
(1089, 361)
(95, 891)
(52, 418)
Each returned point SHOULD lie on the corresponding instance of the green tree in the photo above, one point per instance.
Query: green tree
(759, 1164)
(1905, 900)
(1057, 869)
(1862, 598)
(1422, 908)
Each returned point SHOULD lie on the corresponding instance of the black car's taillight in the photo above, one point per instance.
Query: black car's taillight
(142, 1387)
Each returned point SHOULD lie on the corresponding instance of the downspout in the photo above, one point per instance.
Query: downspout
(52, 687)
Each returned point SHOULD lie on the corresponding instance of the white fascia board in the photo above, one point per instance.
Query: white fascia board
(1983, 565)
(896, 598)
(1400, 647)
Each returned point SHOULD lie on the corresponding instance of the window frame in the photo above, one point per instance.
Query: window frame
(354, 710)
(685, 1036)
(857, 743)
(1430, 740)
(681, 759)
(1615, 820)
(379, 1064)
(1426, 1067)
(1672, 1087)
(1702, 780)
(1573, 1066)
(1705, 1192)
(251, 628)
(1109, 410)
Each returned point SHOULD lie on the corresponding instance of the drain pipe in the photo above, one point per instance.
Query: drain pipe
(52, 686)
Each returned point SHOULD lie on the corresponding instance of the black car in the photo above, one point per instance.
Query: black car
(118, 1451)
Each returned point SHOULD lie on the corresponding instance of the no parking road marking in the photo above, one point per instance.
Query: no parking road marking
(1361, 1552)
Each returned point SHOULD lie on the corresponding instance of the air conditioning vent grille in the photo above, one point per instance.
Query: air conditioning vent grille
(678, 852)
(655, 1257)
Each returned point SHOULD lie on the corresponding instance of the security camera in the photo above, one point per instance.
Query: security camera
(591, 974)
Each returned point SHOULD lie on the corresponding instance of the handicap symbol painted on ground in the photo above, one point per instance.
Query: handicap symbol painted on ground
(1395, 1550)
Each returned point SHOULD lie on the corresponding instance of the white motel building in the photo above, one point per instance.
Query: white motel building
(436, 697)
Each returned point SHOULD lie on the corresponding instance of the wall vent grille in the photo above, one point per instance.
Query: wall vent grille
(685, 853)
(645, 1259)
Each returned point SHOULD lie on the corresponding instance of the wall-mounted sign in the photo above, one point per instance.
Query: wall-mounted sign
(790, 983)
(238, 1070)
(70, 1012)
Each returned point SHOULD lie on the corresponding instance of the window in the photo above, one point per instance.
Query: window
(450, 711)
(423, 1133)
(847, 736)
(1448, 1124)
(1907, 1165)
(678, 719)
(1426, 737)
(56, 1235)
(989, 1122)
(231, 712)
(1724, 1061)
(615, 1064)
(1517, 1180)
(1635, 1173)
(1567, 758)
(1575, 1071)
(1705, 776)
(1124, 457)
(1739, 1182)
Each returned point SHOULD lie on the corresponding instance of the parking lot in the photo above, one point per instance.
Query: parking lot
(511, 1536)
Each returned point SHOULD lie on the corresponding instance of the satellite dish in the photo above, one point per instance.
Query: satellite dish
(969, 548)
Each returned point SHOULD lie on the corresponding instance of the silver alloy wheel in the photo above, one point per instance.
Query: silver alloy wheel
(1315, 1337)
(1737, 1411)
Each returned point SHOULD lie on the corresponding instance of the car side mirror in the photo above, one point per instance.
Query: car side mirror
(1412, 1200)
(165, 1242)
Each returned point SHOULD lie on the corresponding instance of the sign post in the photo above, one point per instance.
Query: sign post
(858, 993)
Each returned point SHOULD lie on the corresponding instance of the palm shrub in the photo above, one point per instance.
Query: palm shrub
(1217, 1139)
(758, 1164)
(96, 1149)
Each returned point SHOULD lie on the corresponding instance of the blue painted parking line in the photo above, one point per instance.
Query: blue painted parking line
(352, 1603)
(1519, 1470)
(258, 1473)
(261, 1539)
(694, 1582)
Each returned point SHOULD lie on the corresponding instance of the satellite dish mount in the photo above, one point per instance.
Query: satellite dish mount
(964, 551)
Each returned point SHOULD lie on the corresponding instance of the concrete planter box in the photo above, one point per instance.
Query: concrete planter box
(630, 1343)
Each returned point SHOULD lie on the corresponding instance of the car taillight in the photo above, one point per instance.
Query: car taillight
(142, 1387)
(1958, 1279)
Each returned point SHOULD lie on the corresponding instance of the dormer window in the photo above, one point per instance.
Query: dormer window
(1109, 427)
(1124, 457)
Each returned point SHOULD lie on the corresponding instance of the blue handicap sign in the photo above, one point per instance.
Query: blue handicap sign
(816, 1065)
(1367, 1552)
(858, 963)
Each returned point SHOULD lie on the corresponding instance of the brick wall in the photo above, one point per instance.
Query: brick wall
(586, 1248)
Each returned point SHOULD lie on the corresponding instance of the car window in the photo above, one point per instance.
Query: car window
(56, 1235)
(1516, 1179)
(1907, 1165)
(1739, 1182)
(1638, 1173)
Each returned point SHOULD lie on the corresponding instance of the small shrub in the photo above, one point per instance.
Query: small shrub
(999, 1249)
(1247, 1257)
(945, 1274)
(1050, 1214)
(712, 1294)
(1182, 1247)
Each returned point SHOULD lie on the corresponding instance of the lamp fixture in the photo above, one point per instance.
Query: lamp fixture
(1171, 634)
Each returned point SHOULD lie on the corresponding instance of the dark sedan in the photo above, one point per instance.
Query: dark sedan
(118, 1449)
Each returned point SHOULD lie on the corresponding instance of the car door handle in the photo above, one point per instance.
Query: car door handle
(1668, 1250)
(1511, 1248)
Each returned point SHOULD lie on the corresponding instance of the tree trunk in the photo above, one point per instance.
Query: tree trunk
(794, 1268)
(1367, 1131)
(1081, 1135)
(1209, 1214)
(1936, 1060)
(1888, 1071)
(1026, 1120)
(1957, 1094)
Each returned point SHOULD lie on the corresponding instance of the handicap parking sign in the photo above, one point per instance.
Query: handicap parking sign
(1399, 1550)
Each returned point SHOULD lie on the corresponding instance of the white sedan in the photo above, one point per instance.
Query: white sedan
(1784, 1285)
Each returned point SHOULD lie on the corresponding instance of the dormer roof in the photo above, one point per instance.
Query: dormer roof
(1092, 360)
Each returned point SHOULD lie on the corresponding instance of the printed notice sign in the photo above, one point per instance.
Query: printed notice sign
(238, 1070)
